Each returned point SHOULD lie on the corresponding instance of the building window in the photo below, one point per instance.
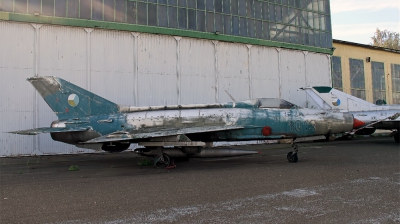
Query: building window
(357, 79)
(395, 83)
(378, 82)
(294, 21)
(337, 82)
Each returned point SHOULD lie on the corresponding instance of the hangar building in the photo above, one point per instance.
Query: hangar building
(367, 72)
(156, 52)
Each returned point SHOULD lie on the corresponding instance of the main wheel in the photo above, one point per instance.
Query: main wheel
(162, 161)
(292, 158)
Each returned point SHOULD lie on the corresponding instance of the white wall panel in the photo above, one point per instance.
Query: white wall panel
(233, 71)
(112, 65)
(157, 78)
(62, 53)
(197, 70)
(16, 95)
(293, 76)
(318, 73)
(264, 72)
(318, 70)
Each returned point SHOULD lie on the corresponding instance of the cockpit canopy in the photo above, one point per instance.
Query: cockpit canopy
(275, 103)
(265, 103)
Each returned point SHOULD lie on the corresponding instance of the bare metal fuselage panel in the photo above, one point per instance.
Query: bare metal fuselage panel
(85, 119)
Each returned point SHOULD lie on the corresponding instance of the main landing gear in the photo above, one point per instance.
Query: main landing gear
(292, 156)
(162, 161)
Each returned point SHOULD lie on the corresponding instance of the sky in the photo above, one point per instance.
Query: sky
(357, 20)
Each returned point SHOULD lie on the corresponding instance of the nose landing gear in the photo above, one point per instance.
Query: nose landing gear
(292, 156)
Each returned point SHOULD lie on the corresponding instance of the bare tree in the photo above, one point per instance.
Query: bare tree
(386, 39)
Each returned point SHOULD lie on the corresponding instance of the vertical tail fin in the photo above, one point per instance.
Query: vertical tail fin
(330, 98)
(68, 100)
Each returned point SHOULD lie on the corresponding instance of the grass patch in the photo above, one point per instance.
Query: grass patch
(145, 162)
(73, 168)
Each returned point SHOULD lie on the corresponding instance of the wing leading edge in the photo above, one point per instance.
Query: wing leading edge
(36, 131)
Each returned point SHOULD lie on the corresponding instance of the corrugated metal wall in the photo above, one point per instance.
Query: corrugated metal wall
(264, 72)
(17, 98)
(196, 70)
(137, 69)
(157, 70)
(61, 52)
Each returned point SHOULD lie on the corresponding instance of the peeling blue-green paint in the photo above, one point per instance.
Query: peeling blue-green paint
(97, 120)
(56, 92)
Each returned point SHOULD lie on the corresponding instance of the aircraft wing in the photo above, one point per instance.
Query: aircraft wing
(125, 136)
(36, 131)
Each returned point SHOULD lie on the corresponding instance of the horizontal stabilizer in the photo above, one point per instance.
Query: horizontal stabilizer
(36, 131)
(124, 136)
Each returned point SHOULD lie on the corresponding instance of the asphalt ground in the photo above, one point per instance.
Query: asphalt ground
(352, 181)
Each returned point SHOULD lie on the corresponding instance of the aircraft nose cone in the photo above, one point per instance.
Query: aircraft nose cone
(357, 123)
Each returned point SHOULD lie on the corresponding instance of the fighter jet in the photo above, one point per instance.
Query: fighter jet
(367, 116)
(90, 121)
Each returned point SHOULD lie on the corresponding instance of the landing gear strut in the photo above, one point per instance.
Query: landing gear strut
(292, 156)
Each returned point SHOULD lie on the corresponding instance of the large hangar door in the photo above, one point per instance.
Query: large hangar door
(293, 76)
(17, 97)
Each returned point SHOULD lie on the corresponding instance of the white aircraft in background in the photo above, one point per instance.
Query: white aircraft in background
(367, 116)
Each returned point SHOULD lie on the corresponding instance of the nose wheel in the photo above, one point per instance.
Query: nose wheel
(292, 156)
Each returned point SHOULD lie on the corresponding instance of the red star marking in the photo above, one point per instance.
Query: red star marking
(66, 110)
